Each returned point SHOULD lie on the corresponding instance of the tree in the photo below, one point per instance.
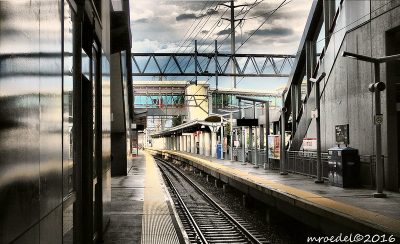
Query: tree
(177, 120)
(227, 132)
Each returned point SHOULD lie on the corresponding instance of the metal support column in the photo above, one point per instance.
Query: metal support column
(250, 146)
(267, 129)
(243, 138)
(222, 138)
(283, 143)
(378, 119)
(255, 138)
(261, 128)
(318, 127)
(231, 131)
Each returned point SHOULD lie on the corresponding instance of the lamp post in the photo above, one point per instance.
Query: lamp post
(318, 127)
(376, 88)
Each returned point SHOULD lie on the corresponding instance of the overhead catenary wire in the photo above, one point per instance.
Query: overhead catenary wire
(215, 25)
(184, 40)
(323, 39)
(200, 30)
(271, 13)
(256, 2)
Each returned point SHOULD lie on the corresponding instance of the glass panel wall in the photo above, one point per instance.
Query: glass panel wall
(68, 154)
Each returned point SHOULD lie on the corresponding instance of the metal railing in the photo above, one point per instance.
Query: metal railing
(305, 163)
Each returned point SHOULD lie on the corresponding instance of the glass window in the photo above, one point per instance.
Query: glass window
(68, 122)
(68, 160)
(320, 42)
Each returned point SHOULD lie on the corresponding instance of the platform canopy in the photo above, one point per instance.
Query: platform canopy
(189, 127)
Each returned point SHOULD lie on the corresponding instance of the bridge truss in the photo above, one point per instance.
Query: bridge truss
(206, 64)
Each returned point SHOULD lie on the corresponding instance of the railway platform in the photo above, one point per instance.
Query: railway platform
(141, 207)
(327, 208)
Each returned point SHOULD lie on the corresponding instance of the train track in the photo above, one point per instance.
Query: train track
(204, 220)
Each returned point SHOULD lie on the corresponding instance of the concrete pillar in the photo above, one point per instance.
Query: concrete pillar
(176, 143)
(189, 144)
(192, 144)
(184, 143)
(213, 144)
(189, 147)
(181, 143)
(207, 146)
(201, 143)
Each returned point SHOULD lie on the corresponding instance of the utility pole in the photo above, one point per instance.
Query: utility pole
(233, 41)
(232, 20)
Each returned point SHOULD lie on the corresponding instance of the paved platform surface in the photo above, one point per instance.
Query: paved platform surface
(141, 210)
(354, 204)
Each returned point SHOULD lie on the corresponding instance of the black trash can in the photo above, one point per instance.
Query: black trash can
(344, 167)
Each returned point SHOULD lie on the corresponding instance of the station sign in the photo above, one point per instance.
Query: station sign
(247, 122)
(274, 142)
(310, 144)
(342, 134)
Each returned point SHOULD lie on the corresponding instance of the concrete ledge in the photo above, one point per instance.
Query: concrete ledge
(324, 214)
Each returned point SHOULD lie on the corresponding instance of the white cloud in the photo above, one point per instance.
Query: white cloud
(155, 28)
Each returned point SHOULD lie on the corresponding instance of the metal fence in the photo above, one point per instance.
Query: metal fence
(250, 155)
(305, 163)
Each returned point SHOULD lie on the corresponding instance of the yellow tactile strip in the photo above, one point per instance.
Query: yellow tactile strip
(157, 224)
(302, 198)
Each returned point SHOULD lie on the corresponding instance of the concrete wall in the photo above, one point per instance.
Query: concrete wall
(345, 96)
(118, 121)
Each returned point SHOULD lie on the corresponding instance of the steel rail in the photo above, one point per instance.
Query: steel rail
(250, 236)
(191, 219)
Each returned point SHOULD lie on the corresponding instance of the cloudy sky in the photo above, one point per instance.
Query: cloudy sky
(172, 26)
